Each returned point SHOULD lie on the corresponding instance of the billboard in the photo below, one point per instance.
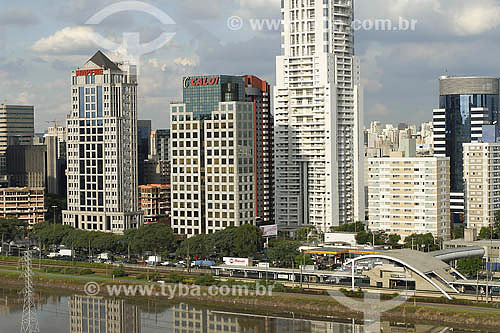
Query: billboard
(269, 230)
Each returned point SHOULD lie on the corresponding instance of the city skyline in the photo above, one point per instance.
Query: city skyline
(45, 41)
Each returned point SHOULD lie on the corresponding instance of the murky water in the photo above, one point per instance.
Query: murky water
(59, 313)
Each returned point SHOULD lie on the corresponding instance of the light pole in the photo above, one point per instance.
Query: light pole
(54, 217)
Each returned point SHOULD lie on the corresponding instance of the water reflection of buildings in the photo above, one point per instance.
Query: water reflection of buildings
(11, 300)
(102, 315)
(188, 319)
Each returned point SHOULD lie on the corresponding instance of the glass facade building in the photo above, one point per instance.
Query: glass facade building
(202, 94)
(466, 104)
(459, 111)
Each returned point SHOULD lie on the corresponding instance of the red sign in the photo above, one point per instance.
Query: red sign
(85, 72)
(202, 81)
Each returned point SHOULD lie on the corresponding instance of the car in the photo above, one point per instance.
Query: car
(165, 263)
(142, 263)
(130, 261)
(180, 265)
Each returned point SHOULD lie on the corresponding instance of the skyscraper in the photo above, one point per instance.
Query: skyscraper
(318, 117)
(465, 105)
(102, 147)
(55, 141)
(218, 133)
(258, 92)
(17, 127)
(143, 147)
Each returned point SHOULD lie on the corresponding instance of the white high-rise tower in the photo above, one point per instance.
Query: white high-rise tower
(318, 117)
(102, 148)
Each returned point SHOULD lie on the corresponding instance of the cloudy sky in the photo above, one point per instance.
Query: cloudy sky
(43, 40)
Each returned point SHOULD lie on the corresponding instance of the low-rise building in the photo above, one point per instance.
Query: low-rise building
(24, 203)
(409, 195)
(154, 201)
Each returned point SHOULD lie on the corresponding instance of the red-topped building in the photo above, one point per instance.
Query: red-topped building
(258, 92)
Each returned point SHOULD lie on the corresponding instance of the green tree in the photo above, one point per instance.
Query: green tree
(309, 233)
(54, 200)
(283, 252)
(303, 259)
(248, 241)
(422, 242)
(223, 242)
(49, 234)
(458, 232)
(349, 227)
(470, 266)
(11, 229)
(393, 240)
(201, 246)
(153, 237)
(366, 237)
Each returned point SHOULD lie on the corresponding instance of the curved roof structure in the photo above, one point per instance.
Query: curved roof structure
(433, 270)
(458, 253)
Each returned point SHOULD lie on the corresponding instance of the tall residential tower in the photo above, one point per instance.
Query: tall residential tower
(102, 148)
(318, 117)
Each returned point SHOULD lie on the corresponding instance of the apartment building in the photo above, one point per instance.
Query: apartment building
(409, 195)
(24, 203)
(481, 183)
(318, 117)
(154, 201)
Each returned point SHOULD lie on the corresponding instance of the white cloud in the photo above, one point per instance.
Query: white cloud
(476, 17)
(70, 40)
(456, 17)
(187, 61)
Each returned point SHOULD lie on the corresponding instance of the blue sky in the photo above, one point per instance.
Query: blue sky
(43, 40)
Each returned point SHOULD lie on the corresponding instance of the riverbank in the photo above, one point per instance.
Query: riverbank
(285, 304)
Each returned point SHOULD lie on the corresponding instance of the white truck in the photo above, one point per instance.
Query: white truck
(154, 260)
(104, 256)
(230, 261)
(65, 253)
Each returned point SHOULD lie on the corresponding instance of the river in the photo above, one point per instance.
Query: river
(59, 312)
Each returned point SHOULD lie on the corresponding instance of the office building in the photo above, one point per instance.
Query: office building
(143, 147)
(481, 183)
(258, 92)
(26, 165)
(157, 165)
(160, 144)
(102, 148)
(318, 117)
(55, 141)
(465, 105)
(154, 201)
(212, 168)
(99, 315)
(23, 203)
(156, 171)
(218, 129)
(17, 127)
(409, 195)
